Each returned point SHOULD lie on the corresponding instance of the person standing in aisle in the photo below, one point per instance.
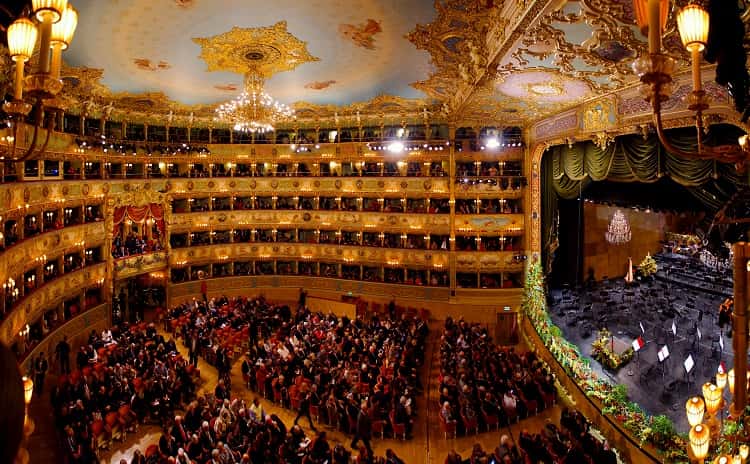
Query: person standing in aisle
(364, 429)
(62, 352)
(40, 371)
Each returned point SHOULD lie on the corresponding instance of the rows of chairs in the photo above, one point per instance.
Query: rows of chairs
(114, 426)
(490, 421)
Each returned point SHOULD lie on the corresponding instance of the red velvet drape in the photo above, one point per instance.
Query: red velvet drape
(139, 214)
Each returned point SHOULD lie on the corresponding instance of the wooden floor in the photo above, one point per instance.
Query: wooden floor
(428, 446)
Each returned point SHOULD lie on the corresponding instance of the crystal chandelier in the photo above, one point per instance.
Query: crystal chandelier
(253, 110)
(619, 229)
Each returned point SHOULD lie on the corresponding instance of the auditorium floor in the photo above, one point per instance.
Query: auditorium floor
(428, 445)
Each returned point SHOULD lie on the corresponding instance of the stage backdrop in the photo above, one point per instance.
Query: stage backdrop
(647, 230)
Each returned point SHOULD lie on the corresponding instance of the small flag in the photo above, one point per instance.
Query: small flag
(721, 342)
(643, 331)
(700, 335)
(722, 368)
(638, 344)
(674, 329)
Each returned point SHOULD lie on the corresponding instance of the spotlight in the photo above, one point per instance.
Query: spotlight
(492, 142)
(396, 147)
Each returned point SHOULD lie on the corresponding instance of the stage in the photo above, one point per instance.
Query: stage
(685, 293)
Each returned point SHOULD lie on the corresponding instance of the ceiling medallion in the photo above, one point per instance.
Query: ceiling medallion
(262, 50)
(258, 53)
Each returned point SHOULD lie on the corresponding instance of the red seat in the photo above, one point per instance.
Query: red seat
(127, 417)
(512, 414)
(549, 400)
(277, 396)
(398, 429)
(113, 425)
(531, 407)
(378, 428)
(315, 412)
(447, 427)
(491, 420)
(99, 435)
(470, 424)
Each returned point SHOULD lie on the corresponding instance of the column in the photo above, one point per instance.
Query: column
(739, 326)
(452, 204)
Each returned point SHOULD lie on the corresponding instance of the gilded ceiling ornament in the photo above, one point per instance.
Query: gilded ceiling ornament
(266, 50)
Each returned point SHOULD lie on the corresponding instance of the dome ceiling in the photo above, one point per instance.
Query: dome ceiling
(359, 47)
(483, 61)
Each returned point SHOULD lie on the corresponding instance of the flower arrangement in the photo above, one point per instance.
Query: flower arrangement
(658, 431)
(648, 266)
(601, 350)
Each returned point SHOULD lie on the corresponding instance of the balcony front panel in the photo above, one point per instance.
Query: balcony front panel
(33, 305)
(76, 329)
(22, 256)
(20, 194)
(487, 191)
(134, 265)
(438, 224)
(316, 186)
(254, 285)
(490, 224)
(503, 261)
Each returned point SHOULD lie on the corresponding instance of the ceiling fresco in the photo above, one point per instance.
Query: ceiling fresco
(359, 47)
(356, 62)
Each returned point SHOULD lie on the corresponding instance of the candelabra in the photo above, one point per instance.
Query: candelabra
(656, 68)
(55, 25)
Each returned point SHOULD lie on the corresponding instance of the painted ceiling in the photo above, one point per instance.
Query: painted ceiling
(475, 61)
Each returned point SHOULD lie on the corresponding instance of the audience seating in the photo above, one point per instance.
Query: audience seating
(485, 384)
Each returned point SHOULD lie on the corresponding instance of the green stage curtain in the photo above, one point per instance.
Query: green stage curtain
(568, 170)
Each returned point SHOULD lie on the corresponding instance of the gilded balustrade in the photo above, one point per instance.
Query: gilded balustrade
(391, 187)
(508, 225)
(23, 256)
(369, 256)
(77, 329)
(33, 305)
(132, 266)
(249, 285)
(64, 147)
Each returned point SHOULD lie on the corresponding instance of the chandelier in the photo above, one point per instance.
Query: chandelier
(655, 71)
(253, 110)
(618, 231)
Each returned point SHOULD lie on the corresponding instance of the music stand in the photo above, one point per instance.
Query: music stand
(688, 364)
(663, 355)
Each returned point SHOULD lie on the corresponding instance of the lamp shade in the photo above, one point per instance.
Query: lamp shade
(712, 397)
(54, 8)
(721, 380)
(692, 22)
(694, 408)
(744, 451)
(22, 39)
(700, 437)
(28, 389)
(730, 381)
(63, 30)
(641, 14)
